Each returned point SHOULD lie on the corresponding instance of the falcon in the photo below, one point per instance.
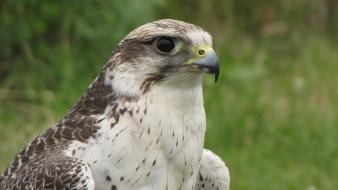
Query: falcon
(139, 126)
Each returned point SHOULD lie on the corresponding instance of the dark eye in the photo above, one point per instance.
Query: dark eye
(164, 44)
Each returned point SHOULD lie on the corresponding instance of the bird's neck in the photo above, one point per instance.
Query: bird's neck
(172, 96)
(177, 115)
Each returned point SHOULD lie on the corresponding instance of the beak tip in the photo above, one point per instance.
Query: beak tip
(216, 76)
(209, 64)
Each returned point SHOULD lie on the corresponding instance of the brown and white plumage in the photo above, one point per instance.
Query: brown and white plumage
(213, 174)
(139, 126)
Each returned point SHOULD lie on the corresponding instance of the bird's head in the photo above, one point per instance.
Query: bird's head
(166, 52)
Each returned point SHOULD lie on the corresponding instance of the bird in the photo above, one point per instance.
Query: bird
(140, 125)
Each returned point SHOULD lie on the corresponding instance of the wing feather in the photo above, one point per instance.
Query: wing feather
(50, 171)
(213, 173)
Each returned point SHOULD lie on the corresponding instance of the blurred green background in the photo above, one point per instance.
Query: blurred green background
(273, 116)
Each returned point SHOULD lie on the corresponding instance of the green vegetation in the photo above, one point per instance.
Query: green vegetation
(273, 116)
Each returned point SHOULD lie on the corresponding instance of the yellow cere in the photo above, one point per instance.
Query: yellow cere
(200, 52)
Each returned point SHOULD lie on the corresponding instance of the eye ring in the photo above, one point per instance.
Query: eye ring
(164, 45)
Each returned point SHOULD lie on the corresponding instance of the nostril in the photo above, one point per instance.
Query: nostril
(201, 52)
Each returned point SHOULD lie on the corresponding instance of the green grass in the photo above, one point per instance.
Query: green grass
(273, 116)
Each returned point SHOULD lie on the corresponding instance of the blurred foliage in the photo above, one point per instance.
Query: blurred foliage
(258, 18)
(38, 37)
(273, 116)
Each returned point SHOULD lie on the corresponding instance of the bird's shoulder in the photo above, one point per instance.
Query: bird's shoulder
(213, 173)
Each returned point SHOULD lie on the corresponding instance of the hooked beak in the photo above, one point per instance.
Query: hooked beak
(209, 64)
